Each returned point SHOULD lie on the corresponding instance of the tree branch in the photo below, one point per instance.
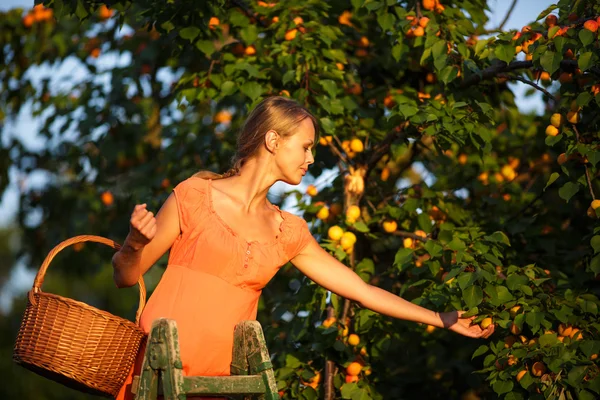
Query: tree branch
(410, 235)
(501, 67)
(587, 170)
(384, 146)
(510, 10)
(530, 83)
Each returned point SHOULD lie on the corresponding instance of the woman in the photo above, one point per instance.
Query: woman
(227, 241)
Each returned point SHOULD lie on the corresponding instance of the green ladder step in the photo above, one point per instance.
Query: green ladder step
(162, 371)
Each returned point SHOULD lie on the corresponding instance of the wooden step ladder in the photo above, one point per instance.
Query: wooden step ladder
(162, 372)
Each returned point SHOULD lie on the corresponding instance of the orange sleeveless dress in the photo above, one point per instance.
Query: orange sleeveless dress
(213, 281)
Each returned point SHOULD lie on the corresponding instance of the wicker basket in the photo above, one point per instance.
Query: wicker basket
(73, 343)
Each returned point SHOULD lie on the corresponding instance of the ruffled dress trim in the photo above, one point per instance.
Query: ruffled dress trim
(282, 225)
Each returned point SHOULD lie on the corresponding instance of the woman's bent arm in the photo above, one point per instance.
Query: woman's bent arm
(148, 239)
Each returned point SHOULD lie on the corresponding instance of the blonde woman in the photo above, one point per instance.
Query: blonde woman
(226, 242)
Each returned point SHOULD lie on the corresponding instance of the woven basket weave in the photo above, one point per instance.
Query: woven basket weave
(76, 344)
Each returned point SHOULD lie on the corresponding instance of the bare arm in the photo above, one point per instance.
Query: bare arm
(328, 272)
(148, 239)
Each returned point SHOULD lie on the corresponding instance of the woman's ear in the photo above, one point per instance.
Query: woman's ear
(272, 140)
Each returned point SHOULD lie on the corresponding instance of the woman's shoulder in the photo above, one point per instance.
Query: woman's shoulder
(193, 182)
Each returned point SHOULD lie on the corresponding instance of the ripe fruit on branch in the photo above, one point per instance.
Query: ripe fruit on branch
(335, 233)
(485, 322)
(323, 213)
(538, 368)
(352, 214)
(514, 329)
(353, 340)
(573, 117)
(353, 369)
(356, 145)
(557, 120)
(311, 190)
(107, 198)
(551, 20)
(551, 130)
(213, 22)
(591, 25)
(390, 226)
(291, 34)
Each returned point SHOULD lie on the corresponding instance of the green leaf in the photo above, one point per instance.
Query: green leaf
(397, 51)
(252, 90)
(585, 60)
(433, 248)
(480, 351)
(586, 37)
(576, 375)
(548, 339)
(534, 319)
(559, 42)
(594, 157)
(190, 33)
(347, 389)
(360, 394)
(361, 227)
(502, 387)
(206, 46)
(568, 190)
(292, 362)
(595, 264)
(407, 110)
(550, 61)
(514, 281)
(526, 289)
(466, 279)
(228, 87)
(583, 99)
(288, 77)
(546, 12)
(505, 52)
(473, 296)
(386, 20)
(513, 396)
(498, 237)
(585, 395)
(595, 243)
(403, 256)
(328, 125)
(329, 86)
(552, 179)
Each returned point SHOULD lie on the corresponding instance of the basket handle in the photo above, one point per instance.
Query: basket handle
(39, 278)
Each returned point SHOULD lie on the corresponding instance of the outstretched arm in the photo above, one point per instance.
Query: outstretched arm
(328, 272)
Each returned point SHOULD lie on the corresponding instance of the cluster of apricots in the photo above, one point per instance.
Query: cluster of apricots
(39, 13)
(417, 26)
(507, 172)
(351, 147)
(557, 120)
(433, 5)
(345, 239)
(325, 213)
(353, 369)
(412, 243)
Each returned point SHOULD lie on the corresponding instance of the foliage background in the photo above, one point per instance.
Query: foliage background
(506, 224)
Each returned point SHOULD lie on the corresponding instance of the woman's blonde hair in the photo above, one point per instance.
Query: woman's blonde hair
(276, 113)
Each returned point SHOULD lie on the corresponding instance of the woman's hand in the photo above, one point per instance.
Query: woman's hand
(463, 325)
(142, 227)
